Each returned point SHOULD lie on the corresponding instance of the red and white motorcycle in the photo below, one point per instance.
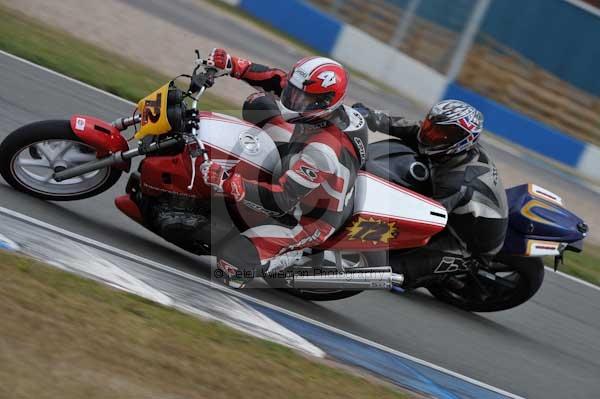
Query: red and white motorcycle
(64, 160)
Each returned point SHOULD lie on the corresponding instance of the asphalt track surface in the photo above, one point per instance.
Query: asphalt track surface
(547, 348)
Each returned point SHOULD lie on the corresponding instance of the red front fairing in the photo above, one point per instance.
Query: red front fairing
(173, 175)
(104, 137)
(126, 205)
(170, 174)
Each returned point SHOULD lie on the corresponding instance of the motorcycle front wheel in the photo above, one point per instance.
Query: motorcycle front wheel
(511, 281)
(30, 156)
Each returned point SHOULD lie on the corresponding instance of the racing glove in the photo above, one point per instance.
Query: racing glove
(225, 64)
(395, 126)
(376, 120)
(214, 176)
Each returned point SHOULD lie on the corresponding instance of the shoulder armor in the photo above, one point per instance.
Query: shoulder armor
(358, 133)
(355, 120)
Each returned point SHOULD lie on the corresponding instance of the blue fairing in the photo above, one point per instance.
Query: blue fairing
(534, 218)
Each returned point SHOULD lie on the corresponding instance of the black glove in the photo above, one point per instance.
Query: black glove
(376, 120)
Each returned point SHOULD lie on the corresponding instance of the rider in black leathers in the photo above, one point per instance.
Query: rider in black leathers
(464, 179)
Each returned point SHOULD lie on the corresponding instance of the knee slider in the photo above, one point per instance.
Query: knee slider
(239, 251)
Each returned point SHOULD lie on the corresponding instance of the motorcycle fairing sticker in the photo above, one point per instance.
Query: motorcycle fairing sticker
(373, 230)
(450, 264)
(529, 211)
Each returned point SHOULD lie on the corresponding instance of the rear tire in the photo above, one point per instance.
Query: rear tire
(530, 277)
(27, 138)
(371, 259)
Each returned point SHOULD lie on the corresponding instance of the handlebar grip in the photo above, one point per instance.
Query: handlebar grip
(123, 123)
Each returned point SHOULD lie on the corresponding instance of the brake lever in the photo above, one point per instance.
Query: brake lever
(198, 150)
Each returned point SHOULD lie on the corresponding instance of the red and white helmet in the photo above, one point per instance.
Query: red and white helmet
(316, 87)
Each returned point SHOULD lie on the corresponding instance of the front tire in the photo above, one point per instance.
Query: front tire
(31, 154)
(527, 275)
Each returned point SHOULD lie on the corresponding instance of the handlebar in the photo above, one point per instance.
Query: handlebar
(123, 123)
(202, 80)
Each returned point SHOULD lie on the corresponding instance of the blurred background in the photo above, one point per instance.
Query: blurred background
(538, 57)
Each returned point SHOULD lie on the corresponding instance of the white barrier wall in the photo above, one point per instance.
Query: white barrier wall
(384, 63)
(589, 163)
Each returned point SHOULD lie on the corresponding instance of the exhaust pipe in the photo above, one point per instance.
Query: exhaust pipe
(367, 278)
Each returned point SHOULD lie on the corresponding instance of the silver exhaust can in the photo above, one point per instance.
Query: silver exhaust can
(367, 278)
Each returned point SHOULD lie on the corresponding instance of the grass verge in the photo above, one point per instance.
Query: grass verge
(584, 265)
(68, 337)
(55, 49)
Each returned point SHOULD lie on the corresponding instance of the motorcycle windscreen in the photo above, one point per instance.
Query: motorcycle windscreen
(153, 109)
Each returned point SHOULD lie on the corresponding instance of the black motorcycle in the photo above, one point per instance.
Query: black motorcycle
(539, 226)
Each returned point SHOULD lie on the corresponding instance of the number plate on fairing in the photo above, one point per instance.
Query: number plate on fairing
(388, 216)
(153, 109)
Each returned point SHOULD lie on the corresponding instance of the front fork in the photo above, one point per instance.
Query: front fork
(107, 140)
(116, 158)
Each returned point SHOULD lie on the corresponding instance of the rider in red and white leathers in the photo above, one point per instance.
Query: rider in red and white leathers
(326, 146)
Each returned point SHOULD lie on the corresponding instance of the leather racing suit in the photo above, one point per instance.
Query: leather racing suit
(306, 203)
(469, 187)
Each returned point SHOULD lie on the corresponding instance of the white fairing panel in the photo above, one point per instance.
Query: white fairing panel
(377, 196)
(241, 139)
(545, 194)
(542, 248)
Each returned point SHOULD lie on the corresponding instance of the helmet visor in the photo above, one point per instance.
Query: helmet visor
(298, 100)
(439, 136)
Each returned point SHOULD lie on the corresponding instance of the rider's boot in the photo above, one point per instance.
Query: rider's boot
(284, 261)
(424, 266)
(237, 261)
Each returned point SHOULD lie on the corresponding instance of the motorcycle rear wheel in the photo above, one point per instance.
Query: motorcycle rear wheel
(526, 274)
(365, 259)
(31, 154)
